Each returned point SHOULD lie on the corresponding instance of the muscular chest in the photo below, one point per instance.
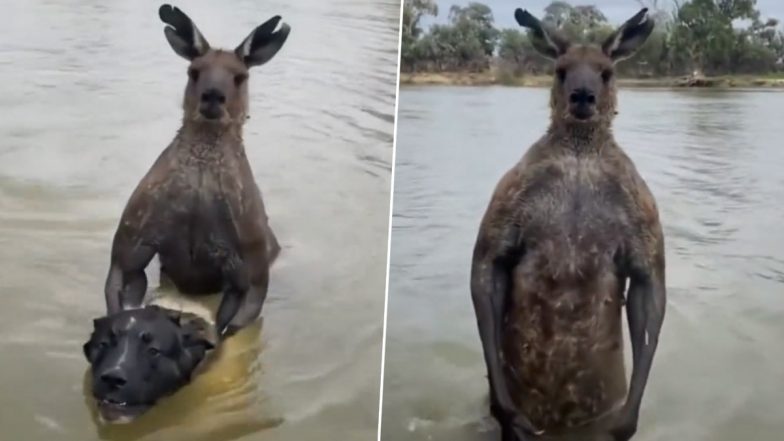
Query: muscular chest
(574, 202)
(196, 228)
(188, 205)
(200, 189)
(575, 224)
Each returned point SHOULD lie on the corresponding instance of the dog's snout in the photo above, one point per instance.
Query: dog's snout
(213, 96)
(582, 96)
(114, 378)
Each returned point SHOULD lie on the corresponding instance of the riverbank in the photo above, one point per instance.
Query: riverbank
(490, 78)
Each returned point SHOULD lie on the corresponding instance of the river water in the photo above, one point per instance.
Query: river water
(713, 159)
(91, 94)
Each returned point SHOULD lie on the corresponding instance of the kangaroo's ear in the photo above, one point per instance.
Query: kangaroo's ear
(263, 43)
(182, 34)
(629, 37)
(546, 42)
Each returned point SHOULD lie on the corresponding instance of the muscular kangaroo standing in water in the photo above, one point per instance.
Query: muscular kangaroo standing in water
(199, 208)
(566, 229)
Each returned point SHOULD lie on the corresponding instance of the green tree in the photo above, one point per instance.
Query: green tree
(583, 23)
(413, 12)
(703, 34)
(513, 46)
(517, 56)
(710, 36)
(475, 21)
(759, 47)
(557, 13)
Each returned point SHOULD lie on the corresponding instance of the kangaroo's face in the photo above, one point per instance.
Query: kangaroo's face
(584, 89)
(217, 89)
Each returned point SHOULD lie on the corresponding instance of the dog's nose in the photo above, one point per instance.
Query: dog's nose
(114, 378)
(582, 96)
(213, 96)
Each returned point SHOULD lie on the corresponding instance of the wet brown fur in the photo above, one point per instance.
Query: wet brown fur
(198, 207)
(567, 226)
(584, 210)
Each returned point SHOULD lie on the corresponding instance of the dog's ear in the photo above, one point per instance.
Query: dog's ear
(196, 341)
(89, 350)
(196, 335)
(101, 325)
(173, 315)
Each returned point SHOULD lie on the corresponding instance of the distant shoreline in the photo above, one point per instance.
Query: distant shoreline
(490, 78)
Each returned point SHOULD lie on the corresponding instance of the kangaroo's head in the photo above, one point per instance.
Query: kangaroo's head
(584, 87)
(217, 89)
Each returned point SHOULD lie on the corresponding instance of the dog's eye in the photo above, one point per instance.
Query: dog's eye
(193, 74)
(239, 79)
(153, 351)
(103, 345)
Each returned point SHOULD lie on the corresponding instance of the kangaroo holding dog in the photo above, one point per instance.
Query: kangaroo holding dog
(199, 208)
(566, 229)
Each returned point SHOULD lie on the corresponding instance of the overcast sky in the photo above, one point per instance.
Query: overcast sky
(616, 10)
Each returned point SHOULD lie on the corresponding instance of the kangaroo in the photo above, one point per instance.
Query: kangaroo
(566, 228)
(198, 208)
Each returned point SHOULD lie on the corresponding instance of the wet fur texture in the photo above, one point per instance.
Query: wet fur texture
(585, 215)
(139, 356)
(198, 208)
(566, 229)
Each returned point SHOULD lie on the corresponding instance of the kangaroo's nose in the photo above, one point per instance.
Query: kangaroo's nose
(582, 96)
(213, 96)
(114, 378)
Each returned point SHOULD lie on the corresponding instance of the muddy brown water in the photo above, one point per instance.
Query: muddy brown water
(714, 161)
(91, 94)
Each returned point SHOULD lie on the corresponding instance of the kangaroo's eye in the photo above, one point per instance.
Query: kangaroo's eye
(607, 75)
(239, 79)
(193, 74)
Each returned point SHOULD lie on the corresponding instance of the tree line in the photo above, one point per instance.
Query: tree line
(701, 37)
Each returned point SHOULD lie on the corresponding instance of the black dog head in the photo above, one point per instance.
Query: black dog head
(139, 356)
